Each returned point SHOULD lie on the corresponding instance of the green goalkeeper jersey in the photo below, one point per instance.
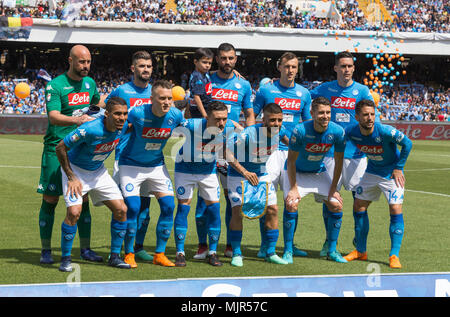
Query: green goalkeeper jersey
(66, 95)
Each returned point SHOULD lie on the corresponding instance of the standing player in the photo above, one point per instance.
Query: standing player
(141, 163)
(306, 172)
(195, 166)
(200, 84)
(65, 94)
(295, 100)
(384, 174)
(247, 154)
(136, 93)
(235, 92)
(343, 93)
(81, 154)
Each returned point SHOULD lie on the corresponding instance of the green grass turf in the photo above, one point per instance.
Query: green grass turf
(425, 246)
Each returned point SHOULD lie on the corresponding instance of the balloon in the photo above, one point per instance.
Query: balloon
(178, 93)
(22, 90)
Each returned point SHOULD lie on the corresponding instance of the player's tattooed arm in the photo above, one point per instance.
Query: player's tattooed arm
(74, 184)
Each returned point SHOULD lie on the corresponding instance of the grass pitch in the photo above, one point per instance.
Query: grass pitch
(425, 246)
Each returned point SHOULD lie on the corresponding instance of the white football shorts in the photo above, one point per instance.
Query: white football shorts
(99, 184)
(153, 179)
(275, 167)
(207, 184)
(310, 183)
(145, 192)
(371, 187)
(352, 171)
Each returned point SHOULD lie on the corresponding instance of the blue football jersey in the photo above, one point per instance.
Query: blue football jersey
(134, 96)
(91, 144)
(252, 148)
(200, 149)
(200, 85)
(149, 135)
(313, 146)
(236, 93)
(380, 147)
(343, 101)
(295, 102)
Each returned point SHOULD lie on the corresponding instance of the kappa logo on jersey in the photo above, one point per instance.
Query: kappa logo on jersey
(318, 147)
(225, 94)
(156, 133)
(264, 151)
(288, 104)
(371, 149)
(343, 103)
(135, 102)
(106, 147)
(79, 98)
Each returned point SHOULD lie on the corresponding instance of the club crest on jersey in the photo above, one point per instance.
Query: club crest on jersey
(225, 94)
(106, 147)
(343, 103)
(79, 98)
(355, 92)
(318, 147)
(288, 104)
(156, 133)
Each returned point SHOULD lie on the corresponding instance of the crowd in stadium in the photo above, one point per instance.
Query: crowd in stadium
(408, 15)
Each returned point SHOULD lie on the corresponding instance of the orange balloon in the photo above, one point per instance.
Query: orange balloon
(22, 90)
(178, 93)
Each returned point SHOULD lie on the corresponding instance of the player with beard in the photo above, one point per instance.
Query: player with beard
(65, 94)
(136, 92)
(235, 92)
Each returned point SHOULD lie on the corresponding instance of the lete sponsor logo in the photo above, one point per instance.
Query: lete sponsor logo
(371, 149)
(343, 102)
(79, 98)
(106, 147)
(225, 94)
(288, 104)
(318, 147)
(135, 102)
(156, 133)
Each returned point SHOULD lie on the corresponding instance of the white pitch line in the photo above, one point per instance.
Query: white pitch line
(429, 193)
(429, 170)
(18, 166)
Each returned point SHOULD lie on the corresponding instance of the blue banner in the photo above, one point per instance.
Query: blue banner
(371, 285)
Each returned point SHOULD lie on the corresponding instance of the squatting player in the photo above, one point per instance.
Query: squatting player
(81, 154)
(141, 163)
(343, 93)
(306, 172)
(195, 166)
(136, 93)
(384, 174)
(295, 101)
(65, 94)
(235, 92)
(247, 154)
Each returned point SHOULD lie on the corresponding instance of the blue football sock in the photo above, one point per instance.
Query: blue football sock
(289, 226)
(67, 235)
(165, 222)
(181, 226)
(228, 213)
(396, 230)
(213, 216)
(143, 220)
(361, 229)
(271, 238)
(235, 240)
(134, 204)
(201, 220)
(334, 227)
(325, 215)
(118, 231)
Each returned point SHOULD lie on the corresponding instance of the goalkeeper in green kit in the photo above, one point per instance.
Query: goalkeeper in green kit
(65, 94)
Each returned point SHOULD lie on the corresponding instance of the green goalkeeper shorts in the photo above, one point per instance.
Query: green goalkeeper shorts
(50, 182)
